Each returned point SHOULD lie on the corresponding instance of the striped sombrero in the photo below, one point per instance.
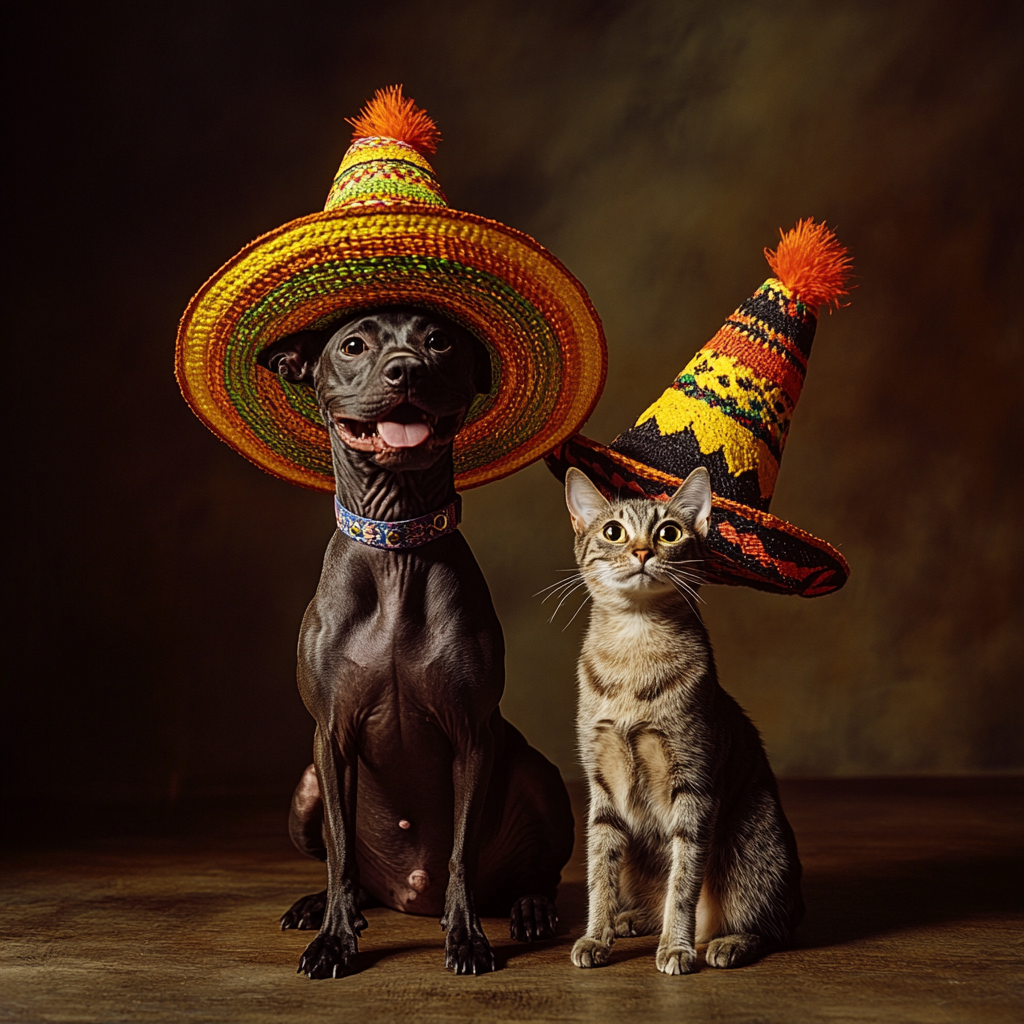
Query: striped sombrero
(387, 237)
(729, 410)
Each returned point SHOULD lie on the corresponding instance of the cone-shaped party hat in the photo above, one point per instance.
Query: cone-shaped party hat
(730, 411)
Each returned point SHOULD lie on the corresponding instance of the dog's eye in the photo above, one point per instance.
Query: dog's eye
(614, 532)
(438, 341)
(353, 346)
(670, 534)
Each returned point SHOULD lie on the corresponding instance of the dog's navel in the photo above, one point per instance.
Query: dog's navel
(418, 880)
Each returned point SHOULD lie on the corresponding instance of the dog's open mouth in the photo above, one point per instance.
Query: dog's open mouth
(405, 426)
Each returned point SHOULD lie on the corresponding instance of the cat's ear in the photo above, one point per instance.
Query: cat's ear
(585, 501)
(692, 502)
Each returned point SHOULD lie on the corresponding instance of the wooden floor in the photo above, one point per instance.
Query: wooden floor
(913, 891)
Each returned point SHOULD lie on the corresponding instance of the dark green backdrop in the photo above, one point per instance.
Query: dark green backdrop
(156, 580)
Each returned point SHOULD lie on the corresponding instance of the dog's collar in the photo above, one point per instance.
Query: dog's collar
(403, 535)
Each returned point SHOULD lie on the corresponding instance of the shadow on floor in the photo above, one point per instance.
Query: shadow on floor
(844, 906)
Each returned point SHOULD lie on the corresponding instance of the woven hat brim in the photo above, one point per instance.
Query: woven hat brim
(748, 547)
(549, 358)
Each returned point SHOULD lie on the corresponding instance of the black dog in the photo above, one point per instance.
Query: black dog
(422, 796)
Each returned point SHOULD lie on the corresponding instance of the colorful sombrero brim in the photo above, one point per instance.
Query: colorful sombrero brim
(748, 547)
(548, 349)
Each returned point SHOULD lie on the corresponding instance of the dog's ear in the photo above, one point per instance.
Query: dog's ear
(294, 356)
(481, 368)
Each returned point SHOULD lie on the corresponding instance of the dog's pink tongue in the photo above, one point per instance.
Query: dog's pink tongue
(403, 435)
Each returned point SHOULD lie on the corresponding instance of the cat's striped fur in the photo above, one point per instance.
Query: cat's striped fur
(686, 834)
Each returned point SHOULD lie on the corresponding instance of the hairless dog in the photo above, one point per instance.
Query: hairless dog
(421, 795)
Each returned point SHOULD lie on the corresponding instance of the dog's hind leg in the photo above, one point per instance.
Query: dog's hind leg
(306, 829)
(306, 817)
(523, 856)
(332, 952)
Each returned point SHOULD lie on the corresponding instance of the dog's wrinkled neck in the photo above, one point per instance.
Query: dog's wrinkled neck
(373, 492)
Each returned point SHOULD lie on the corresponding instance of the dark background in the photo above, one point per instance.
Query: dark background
(156, 580)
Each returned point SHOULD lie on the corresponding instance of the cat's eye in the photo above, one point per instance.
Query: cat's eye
(614, 532)
(353, 346)
(669, 533)
(438, 341)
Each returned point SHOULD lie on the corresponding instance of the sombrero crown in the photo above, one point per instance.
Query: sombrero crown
(729, 410)
(387, 237)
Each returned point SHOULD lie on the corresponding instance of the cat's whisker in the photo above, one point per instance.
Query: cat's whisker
(686, 583)
(564, 591)
(689, 574)
(575, 613)
(561, 583)
(685, 589)
(684, 596)
(552, 618)
(690, 585)
(565, 598)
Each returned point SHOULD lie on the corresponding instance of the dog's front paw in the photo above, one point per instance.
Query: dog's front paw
(532, 918)
(590, 952)
(328, 956)
(467, 951)
(306, 913)
(676, 960)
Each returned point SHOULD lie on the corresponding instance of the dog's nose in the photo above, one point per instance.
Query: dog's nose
(403, 370)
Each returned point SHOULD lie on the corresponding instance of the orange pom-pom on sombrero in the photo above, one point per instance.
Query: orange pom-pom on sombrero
(729, 410)
(387, 237)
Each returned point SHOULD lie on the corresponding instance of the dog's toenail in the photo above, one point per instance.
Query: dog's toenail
(405, 824)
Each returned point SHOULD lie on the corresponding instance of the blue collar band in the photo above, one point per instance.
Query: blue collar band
(403, 535)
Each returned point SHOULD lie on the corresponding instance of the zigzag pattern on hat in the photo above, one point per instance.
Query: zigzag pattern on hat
(730, 408)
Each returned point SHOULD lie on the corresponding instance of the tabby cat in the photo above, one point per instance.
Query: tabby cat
(686, 834)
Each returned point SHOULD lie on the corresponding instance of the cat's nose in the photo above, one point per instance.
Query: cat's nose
(643, 554)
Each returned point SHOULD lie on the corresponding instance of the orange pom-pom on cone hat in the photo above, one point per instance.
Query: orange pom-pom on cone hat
(387, 237)
(729, 410)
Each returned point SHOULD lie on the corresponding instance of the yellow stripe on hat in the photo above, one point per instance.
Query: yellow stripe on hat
(715, 430)
(365, 150)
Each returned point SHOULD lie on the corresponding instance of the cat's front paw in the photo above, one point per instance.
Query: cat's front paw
(631, 923)
(589, 952)
(676, 960)
(734, 950)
